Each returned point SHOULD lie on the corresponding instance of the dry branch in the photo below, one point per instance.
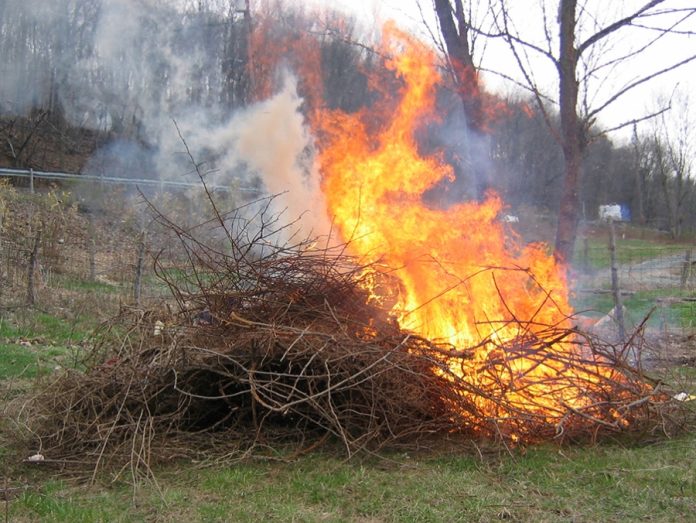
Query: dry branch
(273, 343)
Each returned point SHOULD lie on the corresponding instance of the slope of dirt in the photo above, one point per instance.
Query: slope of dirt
(47, 143)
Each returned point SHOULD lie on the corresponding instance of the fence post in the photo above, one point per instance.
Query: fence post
(91, 247)
(139, 266)
(686, 270)
(32, 269)
(31, 180)
(585, 254)
(616, 291)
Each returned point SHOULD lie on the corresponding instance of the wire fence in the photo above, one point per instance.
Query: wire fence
(64, 271)
(31, 176)
(54, 254)
(655, 279)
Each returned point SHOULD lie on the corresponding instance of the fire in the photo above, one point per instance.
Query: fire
(461, 279)
(374, 187)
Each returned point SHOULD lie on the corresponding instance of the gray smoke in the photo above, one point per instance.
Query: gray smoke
(134, 67)
(269, 141)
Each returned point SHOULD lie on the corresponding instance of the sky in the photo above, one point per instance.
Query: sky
(527, 15)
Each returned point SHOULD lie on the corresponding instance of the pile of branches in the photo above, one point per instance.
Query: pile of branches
(557, 383)
(271, 342)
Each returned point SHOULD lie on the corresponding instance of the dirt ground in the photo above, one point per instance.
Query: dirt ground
(666, 350)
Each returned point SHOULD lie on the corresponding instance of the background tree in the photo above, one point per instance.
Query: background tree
(528, 161)
(582, 41)
(459, 42)
(585, 54)
(672, 146)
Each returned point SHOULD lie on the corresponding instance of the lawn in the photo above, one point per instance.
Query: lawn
(655, 286)
(633, 245)
(34, 344)
(638, 304)
(609, 482)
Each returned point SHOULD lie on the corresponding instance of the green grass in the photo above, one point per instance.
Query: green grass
(48, 328)
(33, 343)
(639, 304)
(59, 501)
(628, 251)
(606, 483)
(633, 249)
(75, 284)
(19, 361)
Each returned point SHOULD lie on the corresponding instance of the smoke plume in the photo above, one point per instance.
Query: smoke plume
(134, 67)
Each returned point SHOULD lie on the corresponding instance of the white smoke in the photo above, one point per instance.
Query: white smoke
(134, 74)
(269, 141)
(273, 140)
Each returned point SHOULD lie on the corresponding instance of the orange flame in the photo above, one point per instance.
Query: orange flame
(462, 280)
(374, 187)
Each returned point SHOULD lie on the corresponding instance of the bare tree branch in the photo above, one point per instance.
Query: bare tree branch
(510, 37)
(532, 86)
(616, 26)
(638, 82)
(519, 84)
(634, 121)
(637, 52)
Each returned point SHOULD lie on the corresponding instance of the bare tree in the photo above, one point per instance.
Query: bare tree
(584, 42)
(586, 56)
(672, 147)
(459, 42)
(641, 171)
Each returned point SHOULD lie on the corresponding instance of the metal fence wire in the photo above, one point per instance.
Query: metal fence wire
(654, 279)
(53, 253)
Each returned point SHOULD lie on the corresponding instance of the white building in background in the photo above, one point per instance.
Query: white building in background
(610, 212)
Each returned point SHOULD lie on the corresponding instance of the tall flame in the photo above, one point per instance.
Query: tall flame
(461, 279)
(374, 185)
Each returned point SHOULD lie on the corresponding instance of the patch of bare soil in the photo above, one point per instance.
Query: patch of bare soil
(45, 142)
(669, 350)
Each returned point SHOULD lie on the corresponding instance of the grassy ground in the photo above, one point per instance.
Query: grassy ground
(33, 344)
(627, 251)
(605, 483)
(678, 314)
(649, 288)
(633, 245)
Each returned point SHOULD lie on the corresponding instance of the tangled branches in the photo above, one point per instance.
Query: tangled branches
(276, 342)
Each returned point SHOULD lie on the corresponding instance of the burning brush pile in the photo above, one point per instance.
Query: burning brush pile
(287, 344)
(416, 321)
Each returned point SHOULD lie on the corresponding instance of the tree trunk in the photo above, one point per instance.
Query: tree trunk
(139, 269)
(32, 270)
(615, 287)
(686, 269)
(92, 247)
(669, 204)
(249, 83)
(455, 32)
(571, 135)
(640, 173)
(640, 195)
